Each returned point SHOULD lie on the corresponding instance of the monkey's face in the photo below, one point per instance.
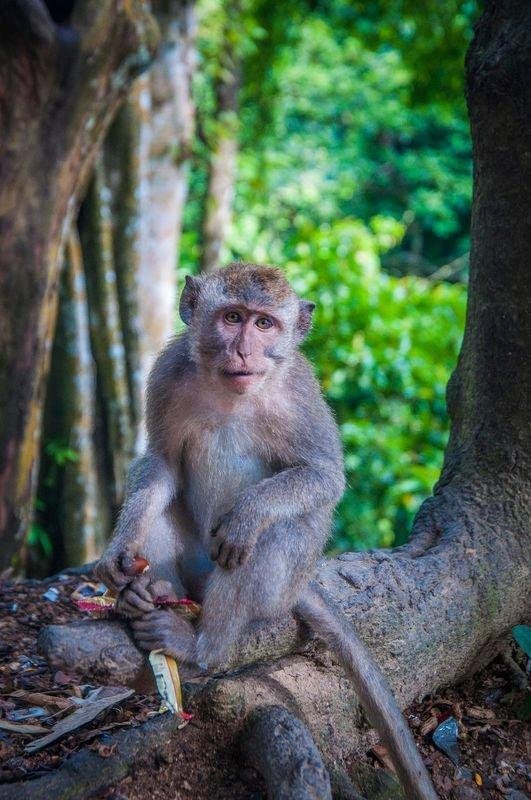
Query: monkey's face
(245, 323)
(244, 346)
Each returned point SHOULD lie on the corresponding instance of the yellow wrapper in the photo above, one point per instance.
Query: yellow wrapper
(168, 682)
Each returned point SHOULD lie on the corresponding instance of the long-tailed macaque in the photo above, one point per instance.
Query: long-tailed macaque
(233, 500)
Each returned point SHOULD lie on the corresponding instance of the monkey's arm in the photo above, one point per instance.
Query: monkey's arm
(312, 477)
(151, 488)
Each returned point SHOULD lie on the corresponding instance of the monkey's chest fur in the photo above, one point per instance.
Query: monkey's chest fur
(217, 464)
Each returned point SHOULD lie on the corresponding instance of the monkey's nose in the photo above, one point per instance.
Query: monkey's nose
(244, 350)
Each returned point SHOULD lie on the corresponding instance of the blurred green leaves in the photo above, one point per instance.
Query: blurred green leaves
(355, 175)
(383, 348)
(522, 636)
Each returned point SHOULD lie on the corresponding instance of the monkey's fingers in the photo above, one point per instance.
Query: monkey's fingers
(215, 548)
(109, 573)
(126, 561)
(229, 555)
(131, 604)
(148, 641)
(161, 588)
(222, 554)
(153, 631)
(140, 586)
(235, 557)
(154, 620)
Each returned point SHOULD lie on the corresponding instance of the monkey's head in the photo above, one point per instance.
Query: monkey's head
(245, 322)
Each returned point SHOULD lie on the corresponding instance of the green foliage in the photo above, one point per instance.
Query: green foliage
(60, 453)
(38, 541)
(383, 348)
(345, 140)
(355, 176)
(432, 37)
(522, 637)
(41, 546)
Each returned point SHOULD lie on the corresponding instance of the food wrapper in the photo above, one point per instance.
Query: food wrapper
(105, 603)
(100, 604)
(168, 683)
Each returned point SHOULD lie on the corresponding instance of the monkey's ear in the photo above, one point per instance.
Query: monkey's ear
(304, 322)
(189, 298)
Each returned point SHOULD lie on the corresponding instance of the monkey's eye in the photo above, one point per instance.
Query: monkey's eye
(232, 317)
(264, 323)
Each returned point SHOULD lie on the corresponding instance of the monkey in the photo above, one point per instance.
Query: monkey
(233, 501)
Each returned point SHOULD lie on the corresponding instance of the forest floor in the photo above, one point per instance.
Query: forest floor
(490, 750)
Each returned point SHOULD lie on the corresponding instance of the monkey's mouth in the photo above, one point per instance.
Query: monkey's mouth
(242, 378)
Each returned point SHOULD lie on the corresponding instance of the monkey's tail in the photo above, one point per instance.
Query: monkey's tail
(321, 615)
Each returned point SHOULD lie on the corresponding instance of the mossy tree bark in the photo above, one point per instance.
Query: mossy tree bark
(223, 144)
(167, 138)
(60, 85)
(75, 514)
(436, 609)
(96, 233)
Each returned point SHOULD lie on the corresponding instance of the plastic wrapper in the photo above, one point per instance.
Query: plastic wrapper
(445, 738)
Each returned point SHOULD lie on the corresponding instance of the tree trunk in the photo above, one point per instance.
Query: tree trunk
(71, 498)
(168, 116)
(105, 327)
(122, 168)
(129, 227)
(59, 88)
(436, 609)
(222, 166)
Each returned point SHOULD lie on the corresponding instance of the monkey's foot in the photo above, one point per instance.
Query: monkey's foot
(164, 630)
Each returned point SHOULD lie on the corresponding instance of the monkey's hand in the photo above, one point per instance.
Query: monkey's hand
(233, 540)
(167, 631)
(135, 599)
(113, 567)
(138, 597)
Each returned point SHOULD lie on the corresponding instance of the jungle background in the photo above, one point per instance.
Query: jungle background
(330, 138)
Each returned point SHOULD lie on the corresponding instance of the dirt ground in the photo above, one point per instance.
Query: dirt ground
(491, 749)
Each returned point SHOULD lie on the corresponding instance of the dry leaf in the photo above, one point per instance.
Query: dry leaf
(383, 757)
(22, 727)
(428, 725)
(81, 716)
(40, 698)
(479, 713)
(104, 750)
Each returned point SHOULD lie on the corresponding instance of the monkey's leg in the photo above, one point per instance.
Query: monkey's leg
(163, 547)
(178, 565)
(262, 588)
(157, 628)
(321, 615)
(151, 486)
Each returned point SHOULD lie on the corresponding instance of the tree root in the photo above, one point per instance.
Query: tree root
(85, 773)
(431, 613)
(281, 748)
